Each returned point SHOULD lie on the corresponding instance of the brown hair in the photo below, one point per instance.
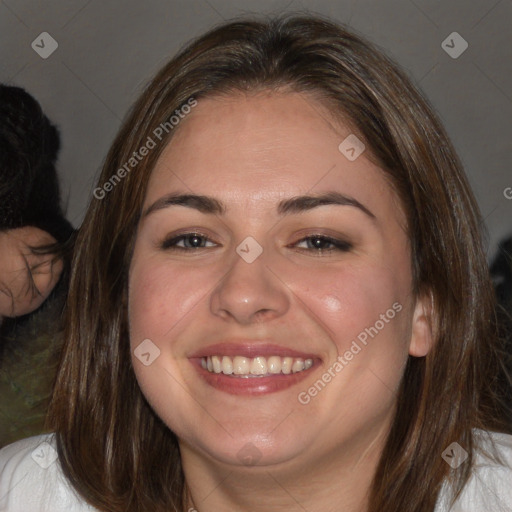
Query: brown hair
(113, 448)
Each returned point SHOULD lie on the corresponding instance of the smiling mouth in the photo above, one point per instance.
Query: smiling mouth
(250, 367)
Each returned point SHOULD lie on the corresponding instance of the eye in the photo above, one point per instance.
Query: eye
(316, 243)
(321, 243)
(189, 241)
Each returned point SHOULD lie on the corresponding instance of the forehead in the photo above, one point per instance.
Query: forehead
(261, 148)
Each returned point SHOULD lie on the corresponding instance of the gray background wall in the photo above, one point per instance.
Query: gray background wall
(108, 50)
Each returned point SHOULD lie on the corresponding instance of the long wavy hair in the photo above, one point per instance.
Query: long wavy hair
(113, 448)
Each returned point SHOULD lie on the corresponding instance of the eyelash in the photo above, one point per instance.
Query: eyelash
(339, 245)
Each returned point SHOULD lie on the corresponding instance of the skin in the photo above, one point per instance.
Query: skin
(26, 279)
(251, 152)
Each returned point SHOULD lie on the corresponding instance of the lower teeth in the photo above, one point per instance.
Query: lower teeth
(249, 376)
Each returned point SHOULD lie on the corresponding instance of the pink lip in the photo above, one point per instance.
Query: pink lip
(252, 385)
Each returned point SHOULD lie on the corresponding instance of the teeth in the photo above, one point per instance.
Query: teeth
(257, 366)
(273, 364)
(297, 366)
(286, 365)
(217, 367)
(227, 365)
(241, 365)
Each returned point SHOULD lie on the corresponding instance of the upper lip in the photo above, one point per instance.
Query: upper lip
(250, 349)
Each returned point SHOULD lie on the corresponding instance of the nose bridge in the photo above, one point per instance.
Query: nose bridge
(250, 288)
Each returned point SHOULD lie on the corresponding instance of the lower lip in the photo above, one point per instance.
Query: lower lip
(251, 385)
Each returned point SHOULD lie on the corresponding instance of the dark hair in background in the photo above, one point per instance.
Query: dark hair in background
(113, 448)
(501, 272)
(29, 187)
(29, 196)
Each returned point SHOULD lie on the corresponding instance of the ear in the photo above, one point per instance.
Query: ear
(422, 336)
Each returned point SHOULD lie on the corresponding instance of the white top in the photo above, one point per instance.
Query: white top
(31, 479)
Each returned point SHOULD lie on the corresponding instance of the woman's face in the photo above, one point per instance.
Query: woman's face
(301, 310)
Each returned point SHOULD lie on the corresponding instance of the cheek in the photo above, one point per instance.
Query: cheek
(364, 313)
(351, 299)
(160, 297)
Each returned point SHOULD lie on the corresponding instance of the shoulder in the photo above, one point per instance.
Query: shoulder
(31, 478)
(490, 484)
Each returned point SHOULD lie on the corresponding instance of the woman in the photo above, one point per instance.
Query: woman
(279, 298)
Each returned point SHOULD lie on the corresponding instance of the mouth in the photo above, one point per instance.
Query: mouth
(252, 369)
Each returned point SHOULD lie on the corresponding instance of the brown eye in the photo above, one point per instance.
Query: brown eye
(190, 241)
(322, 243)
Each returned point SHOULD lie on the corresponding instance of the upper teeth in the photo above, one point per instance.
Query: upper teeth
(240, 365)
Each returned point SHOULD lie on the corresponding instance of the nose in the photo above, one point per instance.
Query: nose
(250, 293)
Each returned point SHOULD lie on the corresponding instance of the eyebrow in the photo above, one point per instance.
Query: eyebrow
(293, 205)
